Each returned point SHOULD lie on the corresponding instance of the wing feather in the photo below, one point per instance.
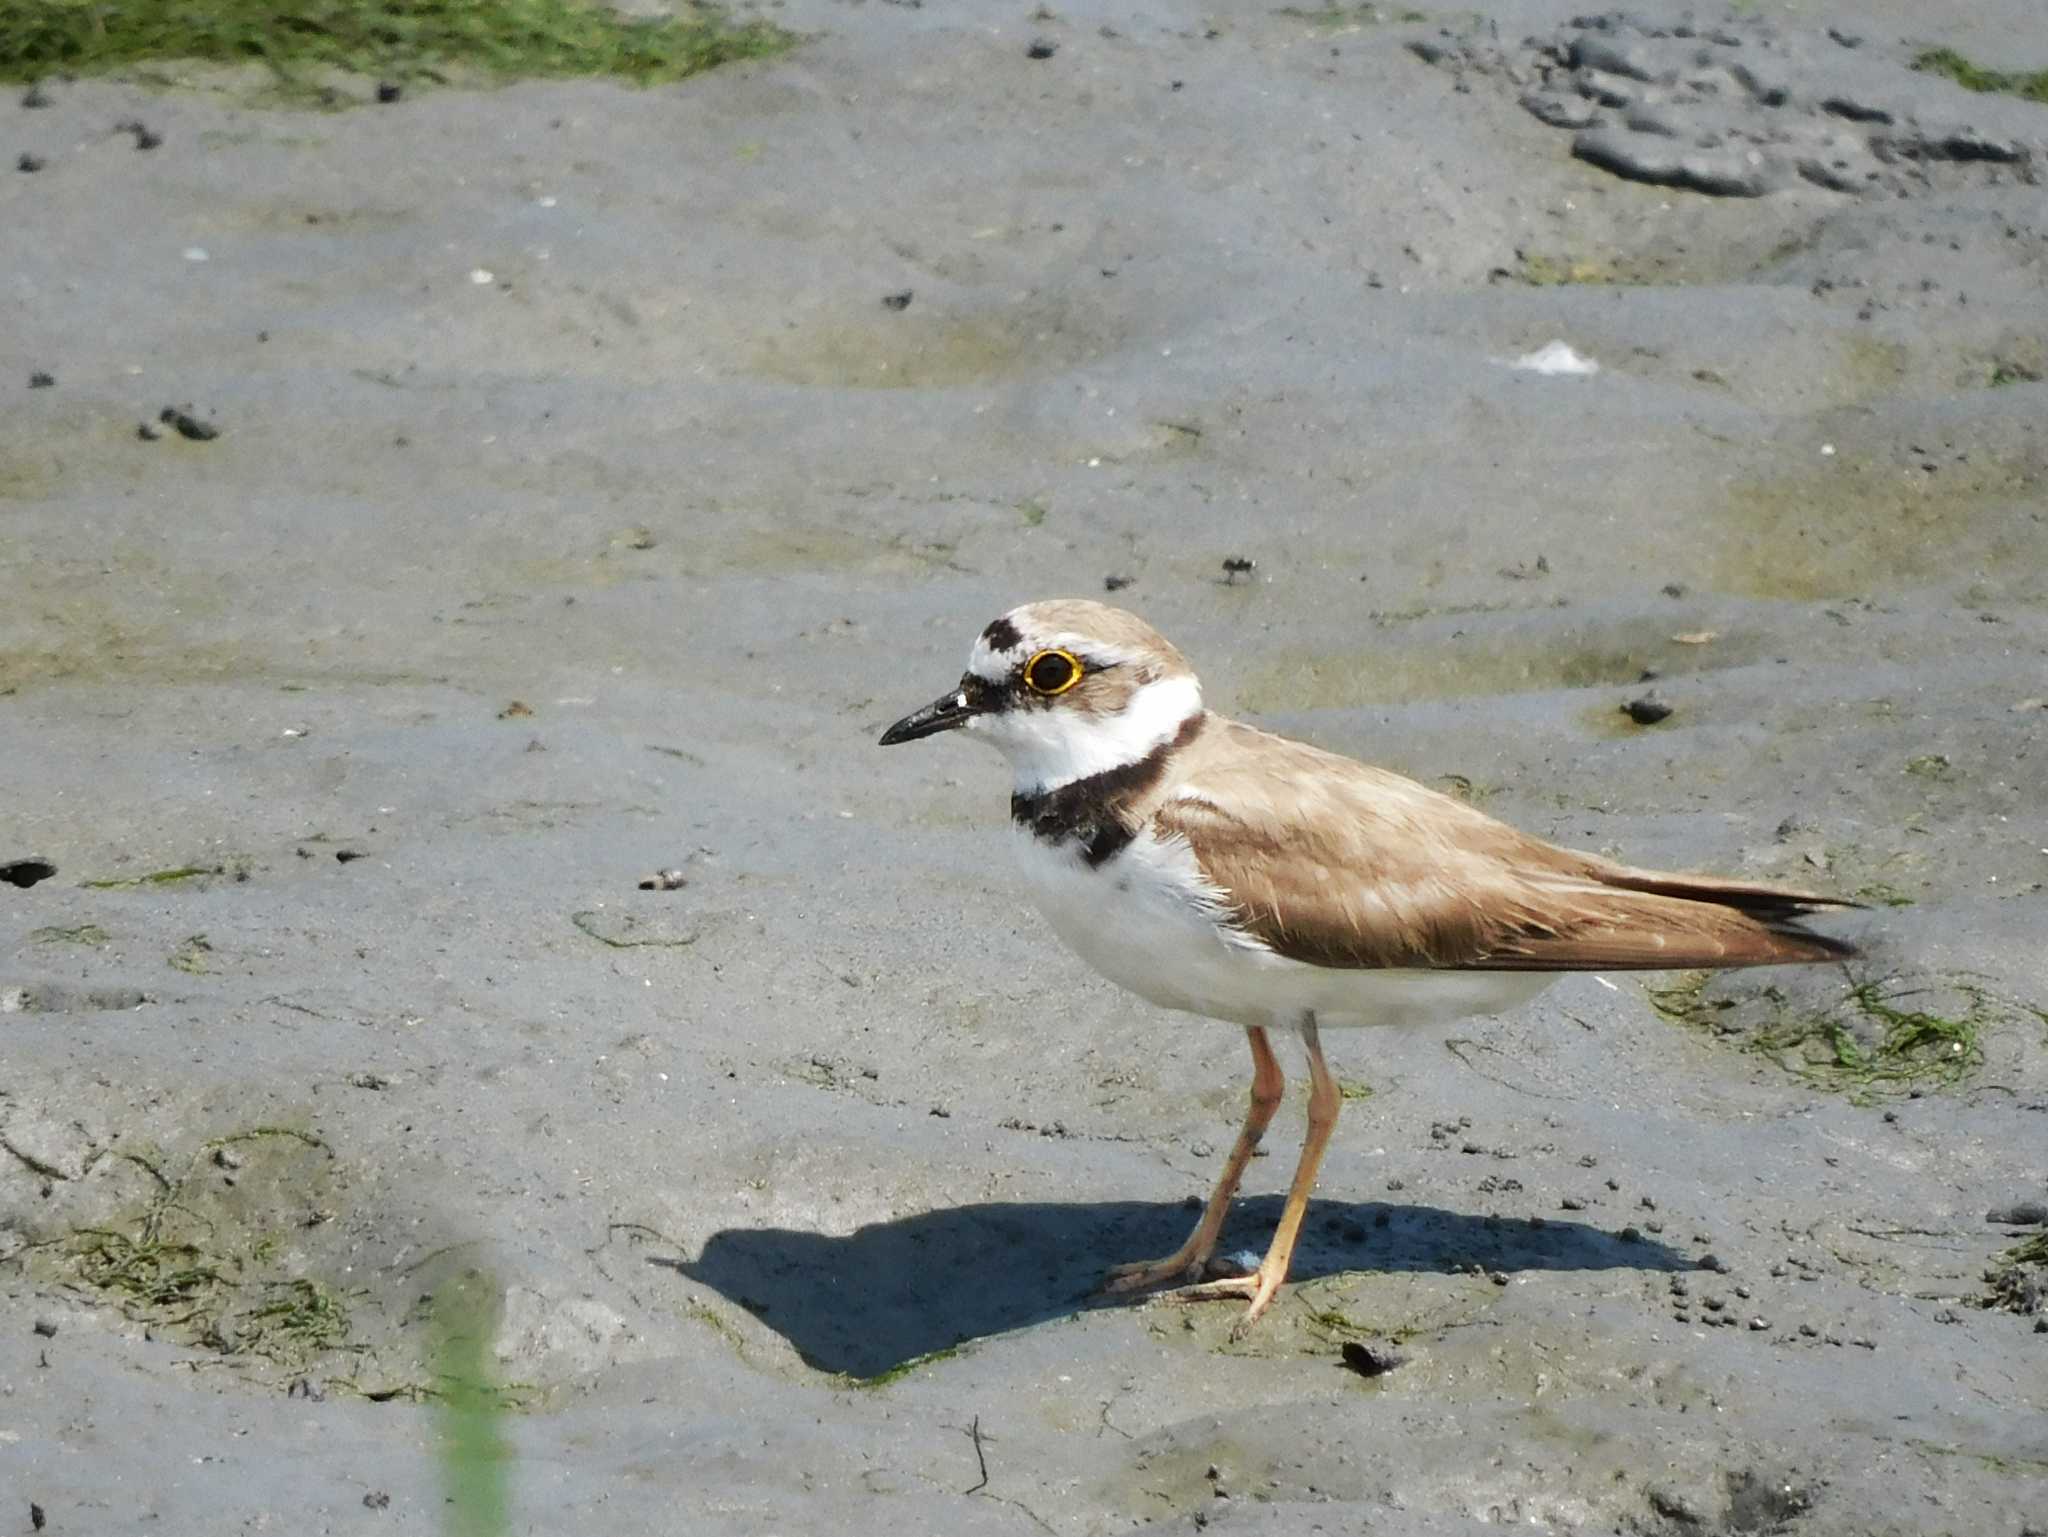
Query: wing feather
(1333, 862)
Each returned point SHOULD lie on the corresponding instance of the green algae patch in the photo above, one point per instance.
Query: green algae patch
(1876, 1040)
(2018, 1279)
(1854, 524)
(2031, 85)
(304, 42)
(83, 934)
(172, 877)
(209, 1259)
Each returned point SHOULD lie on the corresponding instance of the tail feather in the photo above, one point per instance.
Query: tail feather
(1772, 904)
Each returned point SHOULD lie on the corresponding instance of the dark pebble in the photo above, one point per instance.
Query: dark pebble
(1117, 583)
(898, 301)
(149, 432)
(1631, 1235)
(389, 91)
(39, 380)
(1236, 566)
(376, 1499)
(348, 856)
(45, 1328)
(1573, 1203)
(35, 96)
(36, 1519)
(2019, 1214)
(29, 163)
(1370, 1360)
(1674, 589)
(26, 872)
(1715, 1263)
(188, 425)
(1646, 709)
(1041, 48)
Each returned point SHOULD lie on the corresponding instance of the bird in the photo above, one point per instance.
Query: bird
(1220, 870)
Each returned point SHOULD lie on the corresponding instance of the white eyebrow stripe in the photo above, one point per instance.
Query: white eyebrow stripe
(993, 666)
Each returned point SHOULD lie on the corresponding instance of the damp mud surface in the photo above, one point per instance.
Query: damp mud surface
(488, 1043)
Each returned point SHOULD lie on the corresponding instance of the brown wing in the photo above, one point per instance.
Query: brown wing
(1336, 863)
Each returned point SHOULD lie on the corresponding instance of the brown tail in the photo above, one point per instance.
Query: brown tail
(1771, 904)
(1613, 918)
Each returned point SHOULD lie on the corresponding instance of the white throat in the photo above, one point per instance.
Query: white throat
(1050, 748)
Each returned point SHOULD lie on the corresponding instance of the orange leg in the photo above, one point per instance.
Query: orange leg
(1190, 1257)
(1324, 1099)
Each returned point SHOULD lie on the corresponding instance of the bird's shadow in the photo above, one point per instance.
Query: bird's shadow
(875, 1299)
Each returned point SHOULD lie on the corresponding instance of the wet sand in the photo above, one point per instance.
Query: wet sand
(579, 509)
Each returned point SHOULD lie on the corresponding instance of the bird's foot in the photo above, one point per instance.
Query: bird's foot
(1261, 1286)
(1181, 1265)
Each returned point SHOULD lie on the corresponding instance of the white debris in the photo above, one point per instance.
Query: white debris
(1555, 358)
(481, 276)
(195, 253)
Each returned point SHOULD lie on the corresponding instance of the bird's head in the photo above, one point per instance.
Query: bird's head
(1065, 689)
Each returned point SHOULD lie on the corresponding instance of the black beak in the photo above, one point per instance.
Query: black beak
(947, 713)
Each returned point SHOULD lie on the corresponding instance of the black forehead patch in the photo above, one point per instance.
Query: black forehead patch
(1002, 635)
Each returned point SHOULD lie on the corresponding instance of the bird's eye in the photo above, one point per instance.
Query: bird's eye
(1052, 672)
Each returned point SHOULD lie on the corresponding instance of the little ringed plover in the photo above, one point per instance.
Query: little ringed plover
(1211, 867)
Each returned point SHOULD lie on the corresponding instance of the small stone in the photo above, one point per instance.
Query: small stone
(1809, 1331)
(1759, 1324)
(35, 96)
(376, 1499)
(900, 300)
(148, 432)
(1366, 1360)
(1674, 589)
(45, 1328)
(389, 91)
(1117, 583)
(187, 425)
(1631, 1235)
(40, 380)
(1743, 1291)
(1713, 1262)
(1041, 48)
(1395, 1184)
(2019, 1214)
(1572, 1203)
(29, 164)
(1864, 1342)
(1646, 709)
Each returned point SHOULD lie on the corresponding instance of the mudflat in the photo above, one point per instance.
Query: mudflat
(554, 489)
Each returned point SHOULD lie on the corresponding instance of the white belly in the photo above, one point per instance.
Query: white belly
(1146, 921)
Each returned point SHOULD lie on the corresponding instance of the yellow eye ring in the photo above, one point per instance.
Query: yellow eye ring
(1051, 673)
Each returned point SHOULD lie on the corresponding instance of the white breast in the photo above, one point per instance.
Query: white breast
(1149, 921)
